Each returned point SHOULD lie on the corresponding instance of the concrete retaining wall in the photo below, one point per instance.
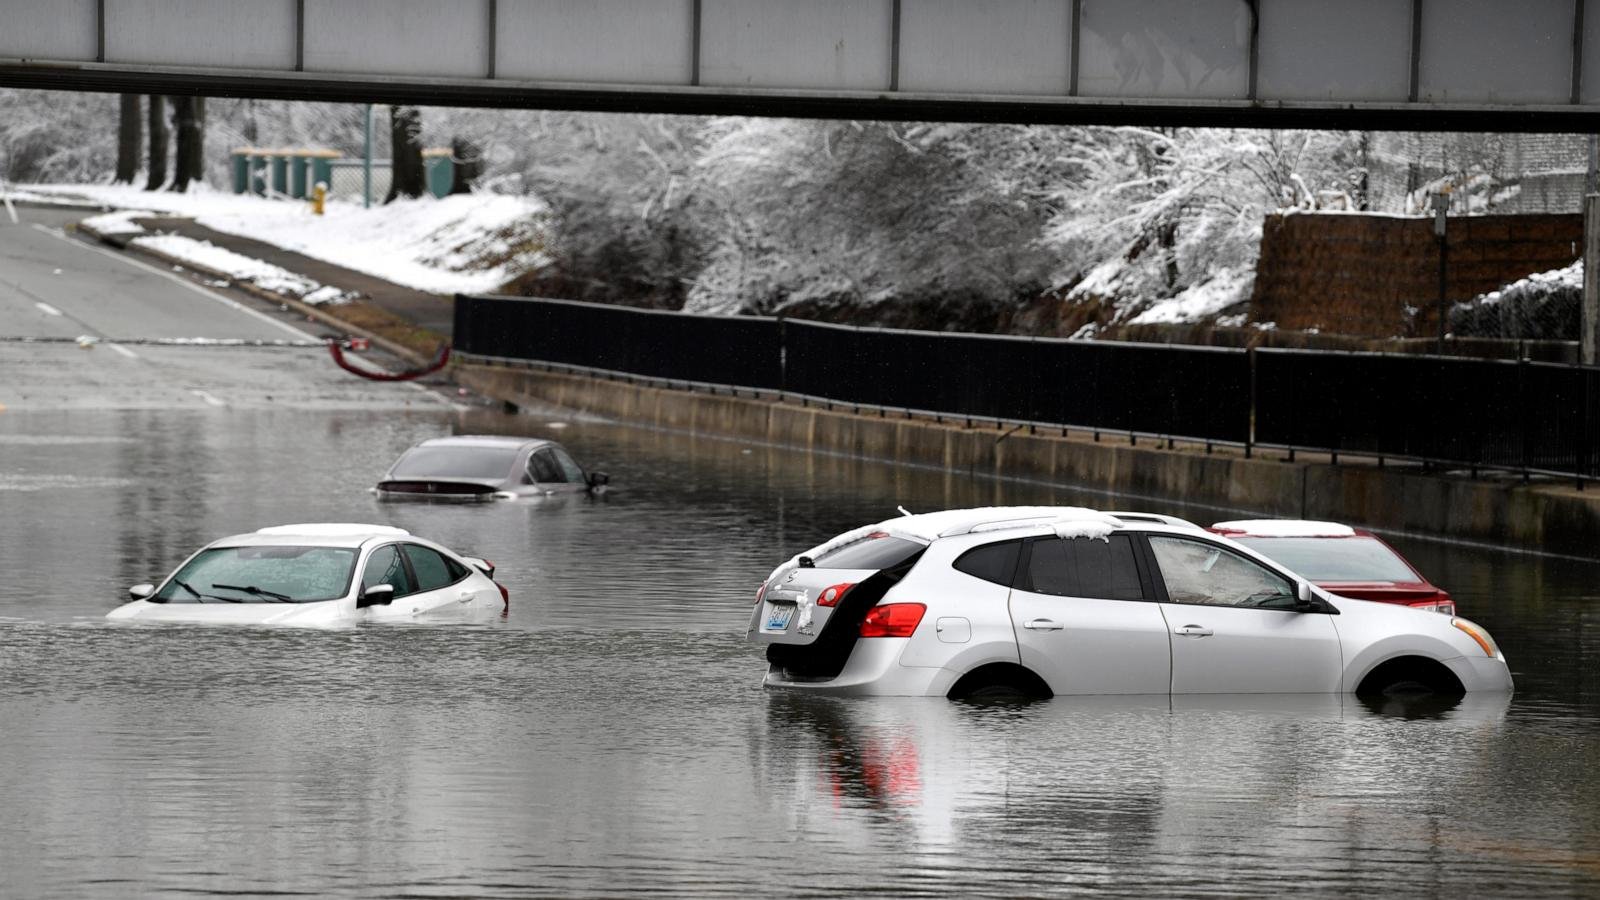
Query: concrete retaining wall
(1357, 274)
(1557, 519)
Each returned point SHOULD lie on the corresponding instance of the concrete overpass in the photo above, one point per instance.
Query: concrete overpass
(1483, 65)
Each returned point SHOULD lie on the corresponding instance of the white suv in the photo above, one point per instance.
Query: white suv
(1063, 600)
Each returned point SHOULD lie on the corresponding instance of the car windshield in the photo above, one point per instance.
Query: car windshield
(288, 574)
(876, 551)
(456, 462)
(1356, 558)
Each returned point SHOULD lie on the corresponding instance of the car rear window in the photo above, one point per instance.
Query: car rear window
(876, 551)
(991, 562)
(456, 462)
(1358, 558)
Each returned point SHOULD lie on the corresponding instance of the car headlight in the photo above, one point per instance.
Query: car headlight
(1477, 633)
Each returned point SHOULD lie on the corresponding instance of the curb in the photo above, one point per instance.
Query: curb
(125, 244)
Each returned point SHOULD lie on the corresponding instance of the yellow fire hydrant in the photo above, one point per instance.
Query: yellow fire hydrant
(319, 196)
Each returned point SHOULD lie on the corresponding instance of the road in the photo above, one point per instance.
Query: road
(154, 335)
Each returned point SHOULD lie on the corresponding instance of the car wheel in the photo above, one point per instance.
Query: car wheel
(1000, 683)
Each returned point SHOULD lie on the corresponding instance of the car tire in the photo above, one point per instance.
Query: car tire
(1000, 683)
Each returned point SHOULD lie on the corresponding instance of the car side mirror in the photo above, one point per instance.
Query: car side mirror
(377, 595)
(141, 591)
(596, 479)
(1306, 600)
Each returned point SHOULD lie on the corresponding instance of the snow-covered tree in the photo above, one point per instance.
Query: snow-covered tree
(846, 215)
(1177, 213)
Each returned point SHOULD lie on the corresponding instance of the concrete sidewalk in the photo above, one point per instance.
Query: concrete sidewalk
(409, 322)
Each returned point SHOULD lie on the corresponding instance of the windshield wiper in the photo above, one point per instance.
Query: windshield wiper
(201, 598)
(255, 591)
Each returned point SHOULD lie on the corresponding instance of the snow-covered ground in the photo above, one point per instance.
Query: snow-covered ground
(466, 243)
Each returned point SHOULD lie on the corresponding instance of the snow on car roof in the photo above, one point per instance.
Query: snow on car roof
(1285, 528)
(481, 440)
(1068, 521)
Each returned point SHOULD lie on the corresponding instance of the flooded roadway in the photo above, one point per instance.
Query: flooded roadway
(610, 736)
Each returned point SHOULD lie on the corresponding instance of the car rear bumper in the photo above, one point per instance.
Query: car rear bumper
(873, 670)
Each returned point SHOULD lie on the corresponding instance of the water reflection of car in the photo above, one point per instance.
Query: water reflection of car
(1063, 600)
(486, 467)
(1350, 562)
(319, 574)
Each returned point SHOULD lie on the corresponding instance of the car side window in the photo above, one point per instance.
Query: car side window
(1202, 572)
(384, 567)
(991, 562)
(570, 470)
(430, 568)
(542, 466)
(1084, 567)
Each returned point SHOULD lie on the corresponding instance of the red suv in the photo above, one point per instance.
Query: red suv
(1350, 562)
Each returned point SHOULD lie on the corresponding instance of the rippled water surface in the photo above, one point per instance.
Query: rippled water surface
(610, 736)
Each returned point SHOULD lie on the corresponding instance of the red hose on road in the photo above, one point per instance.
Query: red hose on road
(439, 362)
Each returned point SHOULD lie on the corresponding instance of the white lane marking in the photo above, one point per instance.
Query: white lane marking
(225, 301)
(124, 351)
(207, 397)
(47, 309)
(297, 332)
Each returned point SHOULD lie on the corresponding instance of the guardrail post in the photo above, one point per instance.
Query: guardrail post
(1522, 412)
(1585, 423)
(783, 356)
(1250, 411)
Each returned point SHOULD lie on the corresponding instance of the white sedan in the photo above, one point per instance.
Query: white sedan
(1063, 600)
(319, 574)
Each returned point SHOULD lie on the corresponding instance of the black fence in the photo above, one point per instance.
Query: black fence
(730, 350)
(1495, 414)
(1533, 417)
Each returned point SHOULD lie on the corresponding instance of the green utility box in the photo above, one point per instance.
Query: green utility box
(437, 171)
(291, 173)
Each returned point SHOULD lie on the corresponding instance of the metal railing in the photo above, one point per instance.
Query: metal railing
(1527, 417)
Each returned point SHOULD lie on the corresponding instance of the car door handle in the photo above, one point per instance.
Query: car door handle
(1193, 631)
(1042, 625)
(465, 596)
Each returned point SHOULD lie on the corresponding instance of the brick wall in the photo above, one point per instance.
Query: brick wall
(1357, 274)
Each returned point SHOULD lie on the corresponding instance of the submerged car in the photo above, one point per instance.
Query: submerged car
(1063, 600)
(486, 467)
(319, 574)
(1350, 562)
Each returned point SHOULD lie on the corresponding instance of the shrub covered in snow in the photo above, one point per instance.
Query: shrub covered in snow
(1543, 306)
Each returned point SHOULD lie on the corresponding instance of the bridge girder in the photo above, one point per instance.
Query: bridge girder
(1474, 65)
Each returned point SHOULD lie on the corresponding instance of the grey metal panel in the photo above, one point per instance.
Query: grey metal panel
(817, 44)
(637, 41)
(1590, 89)
(1351, 50)
(440, 38)
(50, 29)
(988, 47)
(1198, 49)
(1491, 51)
(248, 34)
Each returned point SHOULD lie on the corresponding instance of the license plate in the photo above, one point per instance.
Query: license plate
(778, 617)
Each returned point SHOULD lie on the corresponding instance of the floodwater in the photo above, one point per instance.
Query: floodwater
(610, 736)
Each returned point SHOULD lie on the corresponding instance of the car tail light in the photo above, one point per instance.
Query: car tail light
(892, 620)
(831, 595)
(1448, 607)
(505, 595)
(761, 593)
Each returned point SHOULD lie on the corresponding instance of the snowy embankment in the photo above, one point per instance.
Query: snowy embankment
(1543, 306)
(465, 243)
